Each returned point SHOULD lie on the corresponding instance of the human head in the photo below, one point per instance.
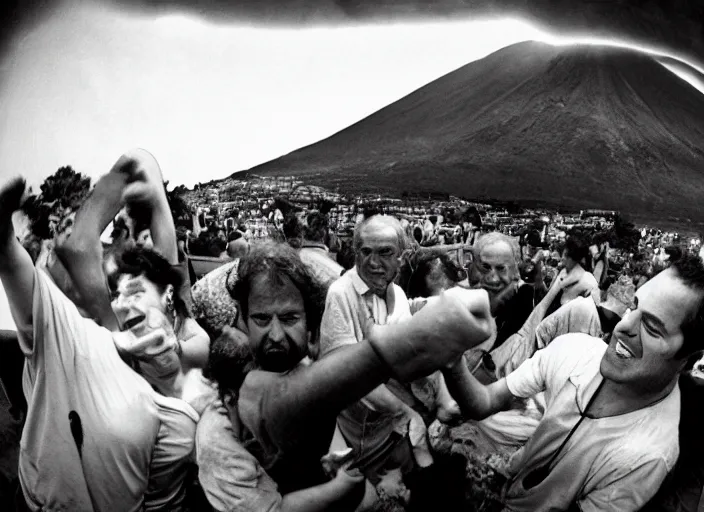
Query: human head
(316, 228)
(430, 274)
(651, 345)
(495, 263)
(143, 279)
(379, 243)
(144, 240)
(281, 304)
(574, 252)
(619, 296)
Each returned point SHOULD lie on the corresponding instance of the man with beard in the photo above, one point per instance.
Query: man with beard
(609, 435)
(260, 446)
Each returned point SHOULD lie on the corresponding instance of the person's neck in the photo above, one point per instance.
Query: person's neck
(615, 399)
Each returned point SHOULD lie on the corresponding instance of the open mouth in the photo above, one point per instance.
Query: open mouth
(623, 351)
(134, 321)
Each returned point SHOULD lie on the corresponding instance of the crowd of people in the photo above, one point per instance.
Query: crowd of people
(308, 374)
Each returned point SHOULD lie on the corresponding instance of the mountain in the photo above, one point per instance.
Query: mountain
(570, 126)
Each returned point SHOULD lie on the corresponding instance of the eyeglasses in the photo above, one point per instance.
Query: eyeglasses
(536, 476)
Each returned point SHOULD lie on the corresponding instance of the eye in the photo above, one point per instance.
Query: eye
(261, 320)
(386, 252)
(289, 319)
(366, 251)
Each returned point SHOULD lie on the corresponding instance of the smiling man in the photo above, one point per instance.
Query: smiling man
(609, 435)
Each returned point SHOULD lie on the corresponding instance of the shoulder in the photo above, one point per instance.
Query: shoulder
(574, 349)
(340, 287)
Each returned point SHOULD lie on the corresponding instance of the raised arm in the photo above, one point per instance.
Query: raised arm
(283, 407)
(132, 178)
(16, 267)
(521, 345)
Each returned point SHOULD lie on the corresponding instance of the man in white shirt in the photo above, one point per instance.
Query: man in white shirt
(609, 435)
(377, 427)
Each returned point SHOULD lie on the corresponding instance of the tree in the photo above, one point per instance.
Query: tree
(180, 210)
(64, 190)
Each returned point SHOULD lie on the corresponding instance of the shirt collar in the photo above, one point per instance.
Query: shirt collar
(359, 285)
(307, 244)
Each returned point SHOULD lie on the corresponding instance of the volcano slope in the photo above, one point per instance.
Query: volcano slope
(561, 127)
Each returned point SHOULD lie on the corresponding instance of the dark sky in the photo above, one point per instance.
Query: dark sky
(677, 24)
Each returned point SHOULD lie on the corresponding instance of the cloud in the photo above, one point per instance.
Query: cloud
(677, 25)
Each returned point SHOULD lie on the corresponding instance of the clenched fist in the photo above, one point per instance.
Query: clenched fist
(438, 334)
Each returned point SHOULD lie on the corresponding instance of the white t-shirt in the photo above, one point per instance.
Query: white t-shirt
(6, 321)
(136, 444)
(610, 464)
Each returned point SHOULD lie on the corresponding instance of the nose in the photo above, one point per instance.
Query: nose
(276, 331)
(492, 277)
(120, 305)
(629, 324)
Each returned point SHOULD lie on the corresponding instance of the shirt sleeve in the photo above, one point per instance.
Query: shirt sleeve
(58, 327)
(337, 325)
(627, 488)
(230, 476)
(550, 366)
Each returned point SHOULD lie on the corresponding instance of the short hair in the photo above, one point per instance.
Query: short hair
(403, 241)
(277, 261)
(413, 276)
(234, 235)
(690, 270)
(316, 228)
(492, 238)
(138, 261)
(576, 249)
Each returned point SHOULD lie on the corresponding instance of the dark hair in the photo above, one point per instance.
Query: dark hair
(316, 228)
(690, 269)
(292, 228)
(674, 252)
(33, 245)
(228, 363)
(412, 276)
(119, 226)
(278, 261)
(234, 235)
(138, 261)
(576, 249)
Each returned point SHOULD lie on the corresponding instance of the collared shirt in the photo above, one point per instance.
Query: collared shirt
(349, 307)
(350, 304)
(613, 463)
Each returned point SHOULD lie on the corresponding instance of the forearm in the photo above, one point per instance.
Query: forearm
(82, 253)
(195, 349)
(527, 331)
(17, 276)
(162, 228)
(324, 388)
(474, 398)
(327, 496)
